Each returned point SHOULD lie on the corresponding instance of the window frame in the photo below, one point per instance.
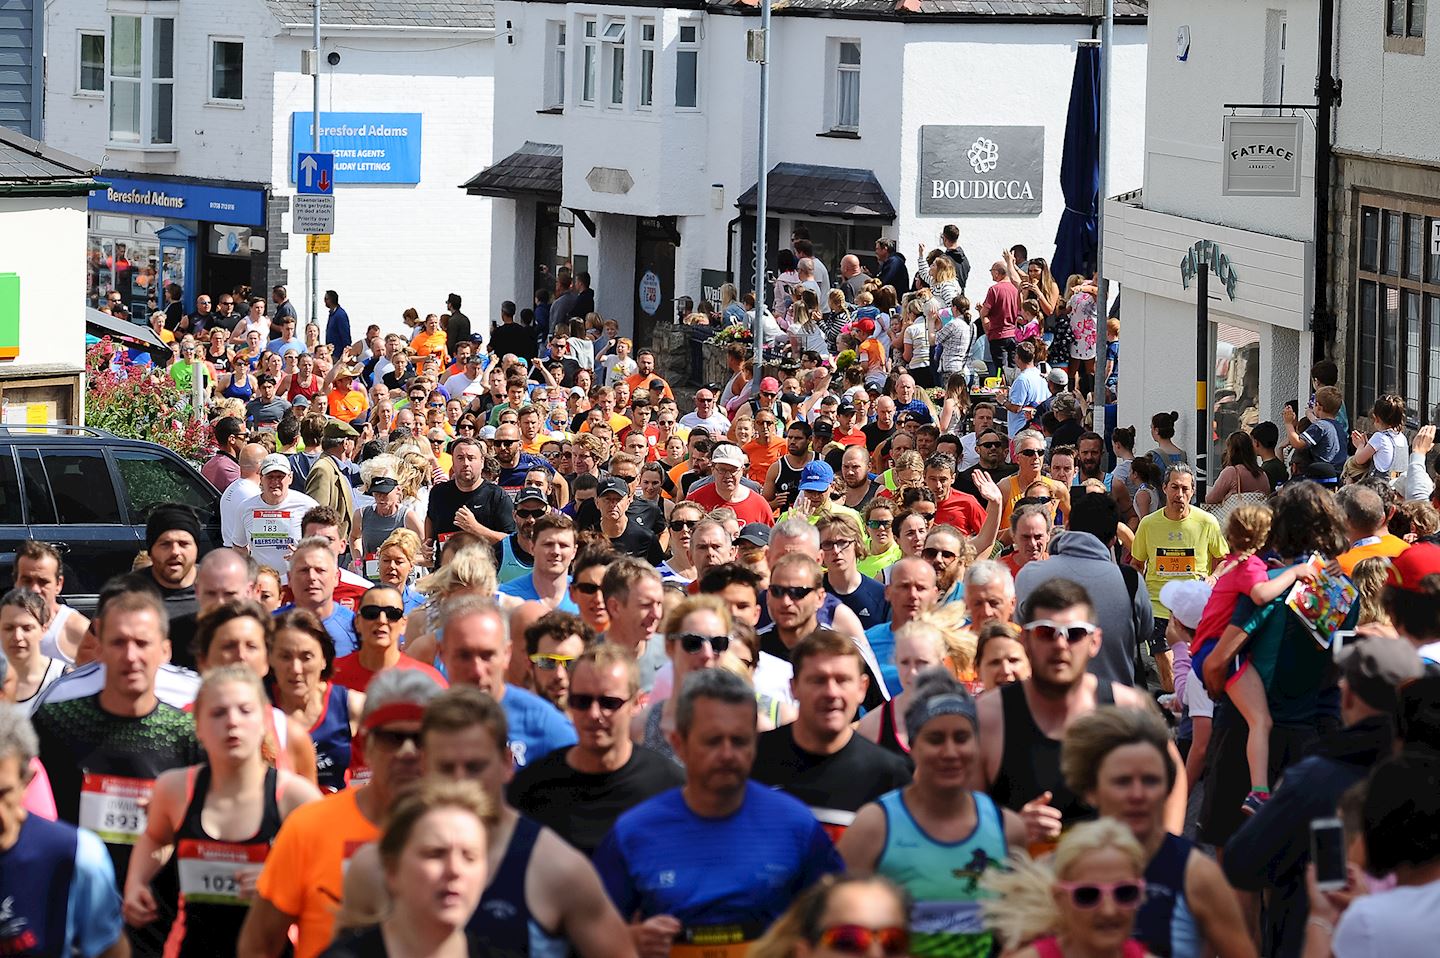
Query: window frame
(695, 47)
(645, 73)
(1410, 36)
(612, 67)
(838, 69)
(147, 83)
(557, 37)
(213, 99)
(589, 64)
(80, 88)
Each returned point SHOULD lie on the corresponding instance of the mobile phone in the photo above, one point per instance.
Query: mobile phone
(1327, 851)
(1343, 637)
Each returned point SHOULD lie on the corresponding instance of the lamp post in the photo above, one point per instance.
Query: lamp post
(315, 148)
(758, 51)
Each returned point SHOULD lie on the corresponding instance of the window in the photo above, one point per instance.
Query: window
(227, 67)
(37, 488)
(1397, 304)
(80, 483)
(590, 78)
(555, 73)
(151, 479)
(1276, 40)
(614, 36)
(142, 80)
(646, 93)
(92, 63)
(845, 115)
(10, 510)
(687, 66)
(1405, 18)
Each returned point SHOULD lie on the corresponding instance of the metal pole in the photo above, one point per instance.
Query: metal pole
(1321, 324)
(760, 191)
(1202, 376)
(1107, 29)
(315, 148)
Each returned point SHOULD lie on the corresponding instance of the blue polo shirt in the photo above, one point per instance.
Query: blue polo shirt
(340, 625)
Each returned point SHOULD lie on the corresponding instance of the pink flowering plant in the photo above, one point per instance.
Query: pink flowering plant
(135, 401)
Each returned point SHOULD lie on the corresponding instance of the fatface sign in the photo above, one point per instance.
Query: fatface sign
(981, 169)
(1208, 254)
(1262, 156)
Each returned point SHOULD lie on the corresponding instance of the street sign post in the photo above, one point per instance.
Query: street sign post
(314, 214)
(315, 174)
(317, 243)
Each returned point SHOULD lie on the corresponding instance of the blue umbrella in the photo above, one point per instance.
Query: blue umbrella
(1075, 240)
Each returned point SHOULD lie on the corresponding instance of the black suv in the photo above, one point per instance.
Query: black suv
(89, 493)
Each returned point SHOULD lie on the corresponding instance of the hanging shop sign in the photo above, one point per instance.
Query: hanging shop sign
(1262, 156)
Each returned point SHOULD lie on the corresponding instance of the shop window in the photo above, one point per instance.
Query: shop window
(227, 70)
(590, 74)
(844, 56)
(91, 62)
(1397, 308)
(555, 69)
(142, 80)
(687, 67)
(645, 95)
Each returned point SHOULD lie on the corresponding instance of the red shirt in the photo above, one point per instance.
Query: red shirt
(855, 438)
(753, 508)
(351, 674)
(962, 511)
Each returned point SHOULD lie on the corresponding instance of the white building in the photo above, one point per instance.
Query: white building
(42, 276)
(199, 109)
(1386, 202)
(625, 136)
(1201, 58)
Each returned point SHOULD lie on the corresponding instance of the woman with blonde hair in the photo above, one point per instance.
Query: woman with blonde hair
(943, 282)
(806, 324)
(1370, 577)
(471, 571)
(919, 646)
(731, 312)
(840, 918)
(697, 633)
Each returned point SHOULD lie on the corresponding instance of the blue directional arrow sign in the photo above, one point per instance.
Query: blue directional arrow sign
(315, 174)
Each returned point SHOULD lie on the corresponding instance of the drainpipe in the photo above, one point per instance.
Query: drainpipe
(1327, 97)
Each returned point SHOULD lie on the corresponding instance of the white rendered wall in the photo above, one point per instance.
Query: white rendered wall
(1389, 106)
(44, 242)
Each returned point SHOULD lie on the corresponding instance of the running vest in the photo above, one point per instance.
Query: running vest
(35, 878)
(787, 480)
(211, 909)
(889, 738)
(1164, 923)
(1030, 763)
(50, 640)
(331, 735)
(943, 878)
(53, 671)
(501, 926)
(510, 567)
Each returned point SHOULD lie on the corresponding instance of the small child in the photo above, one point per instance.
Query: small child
(1244, 573)
(1386, 450)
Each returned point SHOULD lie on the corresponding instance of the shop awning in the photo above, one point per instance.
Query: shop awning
(99, 324)
(823, 191)
(532, 170)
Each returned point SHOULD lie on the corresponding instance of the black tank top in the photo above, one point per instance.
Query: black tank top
(501, 926)
(889, 739)
(211, 911)
(787, 480)
(1030, 762)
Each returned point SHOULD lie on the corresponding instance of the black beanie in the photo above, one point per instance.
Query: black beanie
(171, 516)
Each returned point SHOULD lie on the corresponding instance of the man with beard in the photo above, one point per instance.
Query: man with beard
(783, 478)
(515, 463)
(1022, 724)
(468, 503)
(1089, 463)
(553, 643)
(855, 473)
(172, 536)
(515, 554)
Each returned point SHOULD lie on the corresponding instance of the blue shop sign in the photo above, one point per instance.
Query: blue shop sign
(368, 147)
(180, 201)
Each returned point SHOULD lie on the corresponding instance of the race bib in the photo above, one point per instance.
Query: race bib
(1175, 563)
(713, 941)
(947, 918)
(211, 872)
(372, 566)
(114, 807)
(271, 529)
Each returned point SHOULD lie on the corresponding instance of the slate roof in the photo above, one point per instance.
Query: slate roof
(454, 14)
(31, 164)
(532, 170)
(909, 9)
(822, 191)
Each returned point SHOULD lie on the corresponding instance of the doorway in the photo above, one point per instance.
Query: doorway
(654, 282)
(224, 274)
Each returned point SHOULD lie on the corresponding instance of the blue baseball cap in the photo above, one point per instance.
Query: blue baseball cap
(816, 477)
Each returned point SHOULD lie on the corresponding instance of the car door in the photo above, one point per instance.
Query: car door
(72, 503)
(13, 530)
(150, 477)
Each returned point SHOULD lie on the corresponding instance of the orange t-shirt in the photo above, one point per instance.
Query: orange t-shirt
(346, 406)
(1388, 547)
(763, 457)
(638, 381)
(871, 347)
(1011, 492)
(426, 343)
(305, 873)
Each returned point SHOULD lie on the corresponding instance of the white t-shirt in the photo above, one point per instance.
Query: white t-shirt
(968, 456)
(235, 495)
(1401, 921)
(270, 532)
(1199, 701)
(715, 422)
(1392, 452)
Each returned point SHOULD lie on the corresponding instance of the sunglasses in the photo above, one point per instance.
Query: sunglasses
(1125, 894)
(836, 545)
(585, 588)
(681, 525)
(530, 513)
(793, 592)
(930, 552)
(393, 740)
(608, 703)
(858, 940)
(990, 445)
(1047, 630)
(507, 442)
(693, 642)
(1033, 453)
(372, 612)
(877, 523)
(549, 663)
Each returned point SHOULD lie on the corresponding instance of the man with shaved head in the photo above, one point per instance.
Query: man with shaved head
(222, 576)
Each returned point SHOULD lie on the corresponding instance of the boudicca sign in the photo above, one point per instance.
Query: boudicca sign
(1262, 156)
(981, 169)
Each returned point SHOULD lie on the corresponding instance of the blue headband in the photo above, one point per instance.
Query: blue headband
(950, 703)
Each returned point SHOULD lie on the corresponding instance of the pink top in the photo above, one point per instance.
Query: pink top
(39, 800)
(1050, 948)
(1238, 580)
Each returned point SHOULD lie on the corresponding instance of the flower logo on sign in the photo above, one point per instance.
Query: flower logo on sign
(984, 155)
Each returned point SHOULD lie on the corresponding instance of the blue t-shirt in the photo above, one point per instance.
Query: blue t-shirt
(524, 588)
(743, 870)
(46, 857)
(1028, 390)
(1323, 436)
(340, 625)
(882, 643)
(537, 728)
(868, 602)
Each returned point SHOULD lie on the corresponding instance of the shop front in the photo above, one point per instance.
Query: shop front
(146, 233)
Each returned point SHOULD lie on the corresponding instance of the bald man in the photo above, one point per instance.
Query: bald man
(240, 491)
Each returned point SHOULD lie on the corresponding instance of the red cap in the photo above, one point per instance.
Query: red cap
(1414, 564)
(769, 385)
(866, 326)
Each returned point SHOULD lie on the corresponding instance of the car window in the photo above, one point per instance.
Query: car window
(37, 488)
(80, 482)
(10, 513)
(150, 479)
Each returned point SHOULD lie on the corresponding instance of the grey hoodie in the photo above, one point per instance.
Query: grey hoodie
(1082, 558)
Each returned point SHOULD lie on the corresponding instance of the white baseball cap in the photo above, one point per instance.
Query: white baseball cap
(728, 454)
(274, 462)
(1186, 601)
